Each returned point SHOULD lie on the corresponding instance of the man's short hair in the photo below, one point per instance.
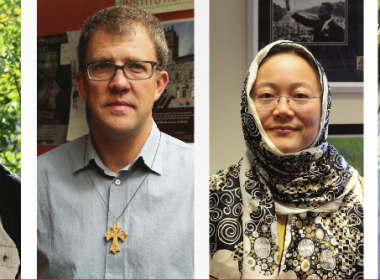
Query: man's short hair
(328, 6)
(120, 20)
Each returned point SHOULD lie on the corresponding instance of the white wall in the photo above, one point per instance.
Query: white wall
(228, 66)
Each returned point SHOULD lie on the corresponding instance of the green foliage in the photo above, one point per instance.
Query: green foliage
(10, 84)
(351, 148)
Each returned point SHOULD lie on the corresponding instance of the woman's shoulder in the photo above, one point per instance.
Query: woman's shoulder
(351, 210)
(361, 181)
(224, 178)
(358, 190)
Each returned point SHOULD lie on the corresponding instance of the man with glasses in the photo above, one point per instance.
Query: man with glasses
(118, 203)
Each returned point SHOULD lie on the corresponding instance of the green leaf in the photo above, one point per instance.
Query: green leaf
(10, 84)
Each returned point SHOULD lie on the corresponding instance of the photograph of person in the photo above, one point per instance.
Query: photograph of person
(51, 100)
(292, 207)
(118, 202)
(314, 21)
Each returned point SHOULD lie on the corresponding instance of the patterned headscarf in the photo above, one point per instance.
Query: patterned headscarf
(308, 185)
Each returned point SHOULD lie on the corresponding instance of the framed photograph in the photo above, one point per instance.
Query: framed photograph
(346, 130)
(348, 140)
(310, 22)
(332, 30)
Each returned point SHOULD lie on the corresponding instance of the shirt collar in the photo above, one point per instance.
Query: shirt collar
(150, 154)
(152, 151)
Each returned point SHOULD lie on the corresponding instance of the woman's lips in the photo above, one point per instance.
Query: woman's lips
(283, 130)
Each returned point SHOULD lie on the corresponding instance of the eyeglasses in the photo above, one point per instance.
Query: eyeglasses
(269, 101)
(133, 70)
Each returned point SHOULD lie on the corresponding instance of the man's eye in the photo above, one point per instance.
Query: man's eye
(137, 67)
(300, 96)
(102, 66)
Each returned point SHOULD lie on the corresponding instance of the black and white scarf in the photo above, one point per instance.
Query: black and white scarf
(316, 188)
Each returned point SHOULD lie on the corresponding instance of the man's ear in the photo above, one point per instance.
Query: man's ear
(81, 84)
(162, 81)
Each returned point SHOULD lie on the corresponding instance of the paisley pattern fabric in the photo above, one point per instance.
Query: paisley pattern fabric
(316, 188)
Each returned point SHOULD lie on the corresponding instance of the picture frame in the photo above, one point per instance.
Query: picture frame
(339, 59)
(346, 130)
(348, 140)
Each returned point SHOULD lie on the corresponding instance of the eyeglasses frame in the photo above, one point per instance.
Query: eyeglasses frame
(152, 63)
(287, 97)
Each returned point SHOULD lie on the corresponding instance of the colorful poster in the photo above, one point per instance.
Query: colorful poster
(158, 6)
(174, 111)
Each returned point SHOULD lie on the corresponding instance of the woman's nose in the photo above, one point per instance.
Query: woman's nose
(283, 108)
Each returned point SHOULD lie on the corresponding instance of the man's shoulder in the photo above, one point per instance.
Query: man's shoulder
(335, 25)
(178, 153)
(63, 152)
(174, 143)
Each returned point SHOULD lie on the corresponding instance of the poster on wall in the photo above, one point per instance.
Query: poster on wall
(158, 6)
(331, 30)
(174, 110)
(79, 113)
(53, 89)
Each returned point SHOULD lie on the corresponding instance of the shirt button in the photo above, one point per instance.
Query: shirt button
(117, 182)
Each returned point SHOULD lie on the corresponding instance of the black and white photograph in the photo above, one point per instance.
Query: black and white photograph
(317, 22)
(331, 30)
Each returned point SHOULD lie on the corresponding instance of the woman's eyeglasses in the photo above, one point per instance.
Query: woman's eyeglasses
(269, 101)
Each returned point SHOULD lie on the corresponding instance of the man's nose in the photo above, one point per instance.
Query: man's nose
(120, 82)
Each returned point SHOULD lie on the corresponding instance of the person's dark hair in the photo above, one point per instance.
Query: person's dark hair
(295, 49)
(120, 20)
(328, 5)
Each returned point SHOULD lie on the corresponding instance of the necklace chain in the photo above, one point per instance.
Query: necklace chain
(108, 208)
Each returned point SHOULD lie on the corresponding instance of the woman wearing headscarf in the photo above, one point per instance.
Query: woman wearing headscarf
(292, 207)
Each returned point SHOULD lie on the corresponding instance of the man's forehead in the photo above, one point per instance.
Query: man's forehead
(104, 37)
(122, 29)
(130, 30)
